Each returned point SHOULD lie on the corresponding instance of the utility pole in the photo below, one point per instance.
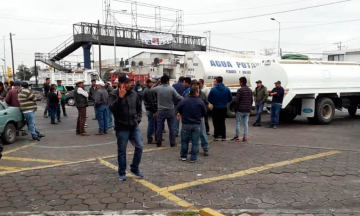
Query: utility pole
(339, 45)
(114, 42)
(4, 53)
(12, 56)
(36, 74)
(99, 35)
(279, 49)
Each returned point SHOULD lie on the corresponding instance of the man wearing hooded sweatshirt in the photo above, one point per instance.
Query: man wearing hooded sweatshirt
(219, 97)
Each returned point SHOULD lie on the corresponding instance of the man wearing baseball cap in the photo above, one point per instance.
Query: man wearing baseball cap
(101, 107)
(126, 108)
(260, 95)
(277, 98)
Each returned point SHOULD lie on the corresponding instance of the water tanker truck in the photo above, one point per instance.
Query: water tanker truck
(313, 89)
(208, 66)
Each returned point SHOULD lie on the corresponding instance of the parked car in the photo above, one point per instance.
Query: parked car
(70, 98)
(11, 121)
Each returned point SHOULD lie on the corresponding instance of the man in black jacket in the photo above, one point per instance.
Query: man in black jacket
(92, 93)
(151, 108)
(126, 107)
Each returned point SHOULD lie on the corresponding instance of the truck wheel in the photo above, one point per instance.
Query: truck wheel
(287, 116)
(324, 110)
(231, 110)
(352, 110)
(9, 134)
(70, 102)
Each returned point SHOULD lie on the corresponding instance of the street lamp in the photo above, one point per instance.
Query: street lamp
(209, 32)
(279, 51)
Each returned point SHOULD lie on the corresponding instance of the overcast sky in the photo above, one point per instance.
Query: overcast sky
(42, 25)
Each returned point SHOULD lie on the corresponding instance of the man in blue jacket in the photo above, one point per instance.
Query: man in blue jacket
(180, 88)
(219, 97)
(191, 110)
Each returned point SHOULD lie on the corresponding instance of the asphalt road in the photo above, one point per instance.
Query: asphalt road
(298, 168)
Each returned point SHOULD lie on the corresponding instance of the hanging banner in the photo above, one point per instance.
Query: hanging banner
(156, 39)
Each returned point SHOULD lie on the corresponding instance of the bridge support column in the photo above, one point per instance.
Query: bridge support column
(87, 55)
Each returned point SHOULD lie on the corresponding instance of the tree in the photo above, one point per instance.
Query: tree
(268, 51)
(23, 73)
(32, 69)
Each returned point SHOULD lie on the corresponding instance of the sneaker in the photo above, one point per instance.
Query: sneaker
(206, 153)
(192, 161)
(258, 125)
(183, 159)
(85, 134)
(245, 139)
(274, 127)
(223, 140)
(122, 178)
(100, 133)
(45, 116)
(36, 138)
(53, 123)
(255, 124)
(216, 139)
(151, 143)
(172, 146)
(59, 120)
(137, 174)
(41, 135)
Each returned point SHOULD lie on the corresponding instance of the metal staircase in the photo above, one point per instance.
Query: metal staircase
(46, 59)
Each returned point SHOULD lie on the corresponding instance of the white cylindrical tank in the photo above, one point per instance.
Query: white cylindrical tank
(208, 66)
(308, 76)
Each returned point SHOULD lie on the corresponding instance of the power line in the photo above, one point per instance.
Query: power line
(295, 27)
(250, 8)
(267, 14)
(357, 38)
(44, 37)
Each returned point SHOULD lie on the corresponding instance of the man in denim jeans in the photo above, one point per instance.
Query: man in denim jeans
(243, 105)
(260, 95)
(191, 111)
(28, 107)
(277, 98)
(151, 108)
(126, 108)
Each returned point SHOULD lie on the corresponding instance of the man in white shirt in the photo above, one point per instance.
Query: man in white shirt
(81, 97)
(206, 91)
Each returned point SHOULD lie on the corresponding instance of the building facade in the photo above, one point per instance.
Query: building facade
(350, 55)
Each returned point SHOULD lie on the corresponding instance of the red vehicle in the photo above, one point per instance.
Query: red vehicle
(133, 78)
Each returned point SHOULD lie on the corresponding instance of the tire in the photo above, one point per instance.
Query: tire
(70, 102)
(9, 134)
(231, 110)
(352, 110)
(287, 116)
(324, 111)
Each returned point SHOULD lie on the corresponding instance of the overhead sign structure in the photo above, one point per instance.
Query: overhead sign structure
(156, 39)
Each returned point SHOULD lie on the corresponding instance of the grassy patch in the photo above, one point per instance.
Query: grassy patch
(184, 213)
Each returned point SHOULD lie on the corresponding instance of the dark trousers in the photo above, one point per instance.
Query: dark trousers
(219, 116)
(206, 117)
(47, 109)
(167, 115)
(62, 103)
(80, 125)
(52, 112)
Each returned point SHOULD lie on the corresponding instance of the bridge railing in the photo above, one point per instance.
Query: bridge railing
(130, 33)
(221, 50)
(61, 47)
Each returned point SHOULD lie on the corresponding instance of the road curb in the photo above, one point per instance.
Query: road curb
(209, 212)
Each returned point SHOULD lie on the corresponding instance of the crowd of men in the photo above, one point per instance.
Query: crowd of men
(187, 102)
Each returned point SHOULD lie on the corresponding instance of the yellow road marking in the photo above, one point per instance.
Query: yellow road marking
(17, 149)
(209, 212)
(71, 163)
(248, 171)
(168, 195)
(33, 160)
(8, 168)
